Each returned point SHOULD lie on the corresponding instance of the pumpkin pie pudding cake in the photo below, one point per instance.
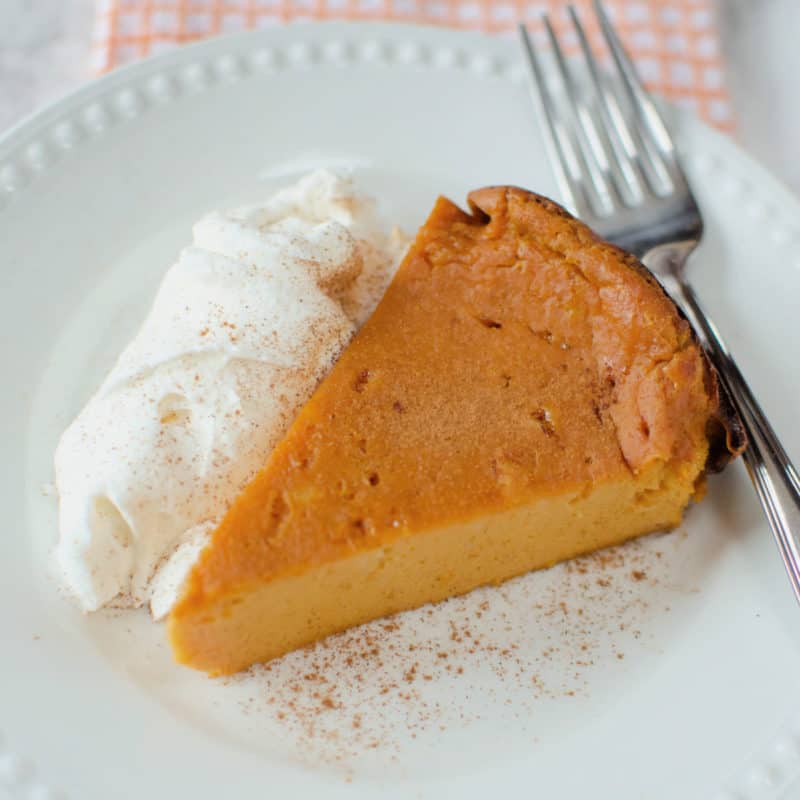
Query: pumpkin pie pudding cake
(271, 461)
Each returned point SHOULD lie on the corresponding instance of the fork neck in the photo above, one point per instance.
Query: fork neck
(667, 259)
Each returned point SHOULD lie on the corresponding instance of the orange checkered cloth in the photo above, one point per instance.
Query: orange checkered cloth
(674, 42)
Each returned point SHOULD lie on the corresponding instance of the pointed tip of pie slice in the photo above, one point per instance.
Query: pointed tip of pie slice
(524, 393)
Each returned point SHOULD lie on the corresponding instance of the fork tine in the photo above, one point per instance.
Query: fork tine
(617, 138)
(592, 152)
(562, 152)
(645, 109)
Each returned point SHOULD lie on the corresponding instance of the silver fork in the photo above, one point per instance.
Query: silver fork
(618, 168)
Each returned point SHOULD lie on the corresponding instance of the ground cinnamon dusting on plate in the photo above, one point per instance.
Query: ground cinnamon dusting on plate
(540, 638)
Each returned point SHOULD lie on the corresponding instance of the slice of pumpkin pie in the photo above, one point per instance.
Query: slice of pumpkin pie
(524, 393)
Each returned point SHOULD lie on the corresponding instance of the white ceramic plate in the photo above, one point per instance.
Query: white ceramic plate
(669, 671)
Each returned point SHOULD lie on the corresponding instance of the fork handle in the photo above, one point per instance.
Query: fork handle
(771, 470)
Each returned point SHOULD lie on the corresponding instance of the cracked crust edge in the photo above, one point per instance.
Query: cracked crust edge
(727, 438)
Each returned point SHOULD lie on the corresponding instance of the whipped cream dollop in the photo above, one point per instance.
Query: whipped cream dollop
(245, 324)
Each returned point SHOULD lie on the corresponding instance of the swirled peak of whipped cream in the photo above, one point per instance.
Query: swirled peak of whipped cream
(243, 327)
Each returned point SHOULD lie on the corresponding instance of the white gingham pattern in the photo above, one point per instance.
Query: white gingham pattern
(674, 42)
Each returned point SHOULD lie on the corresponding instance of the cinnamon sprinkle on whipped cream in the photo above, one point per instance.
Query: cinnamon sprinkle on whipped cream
(244, 326)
